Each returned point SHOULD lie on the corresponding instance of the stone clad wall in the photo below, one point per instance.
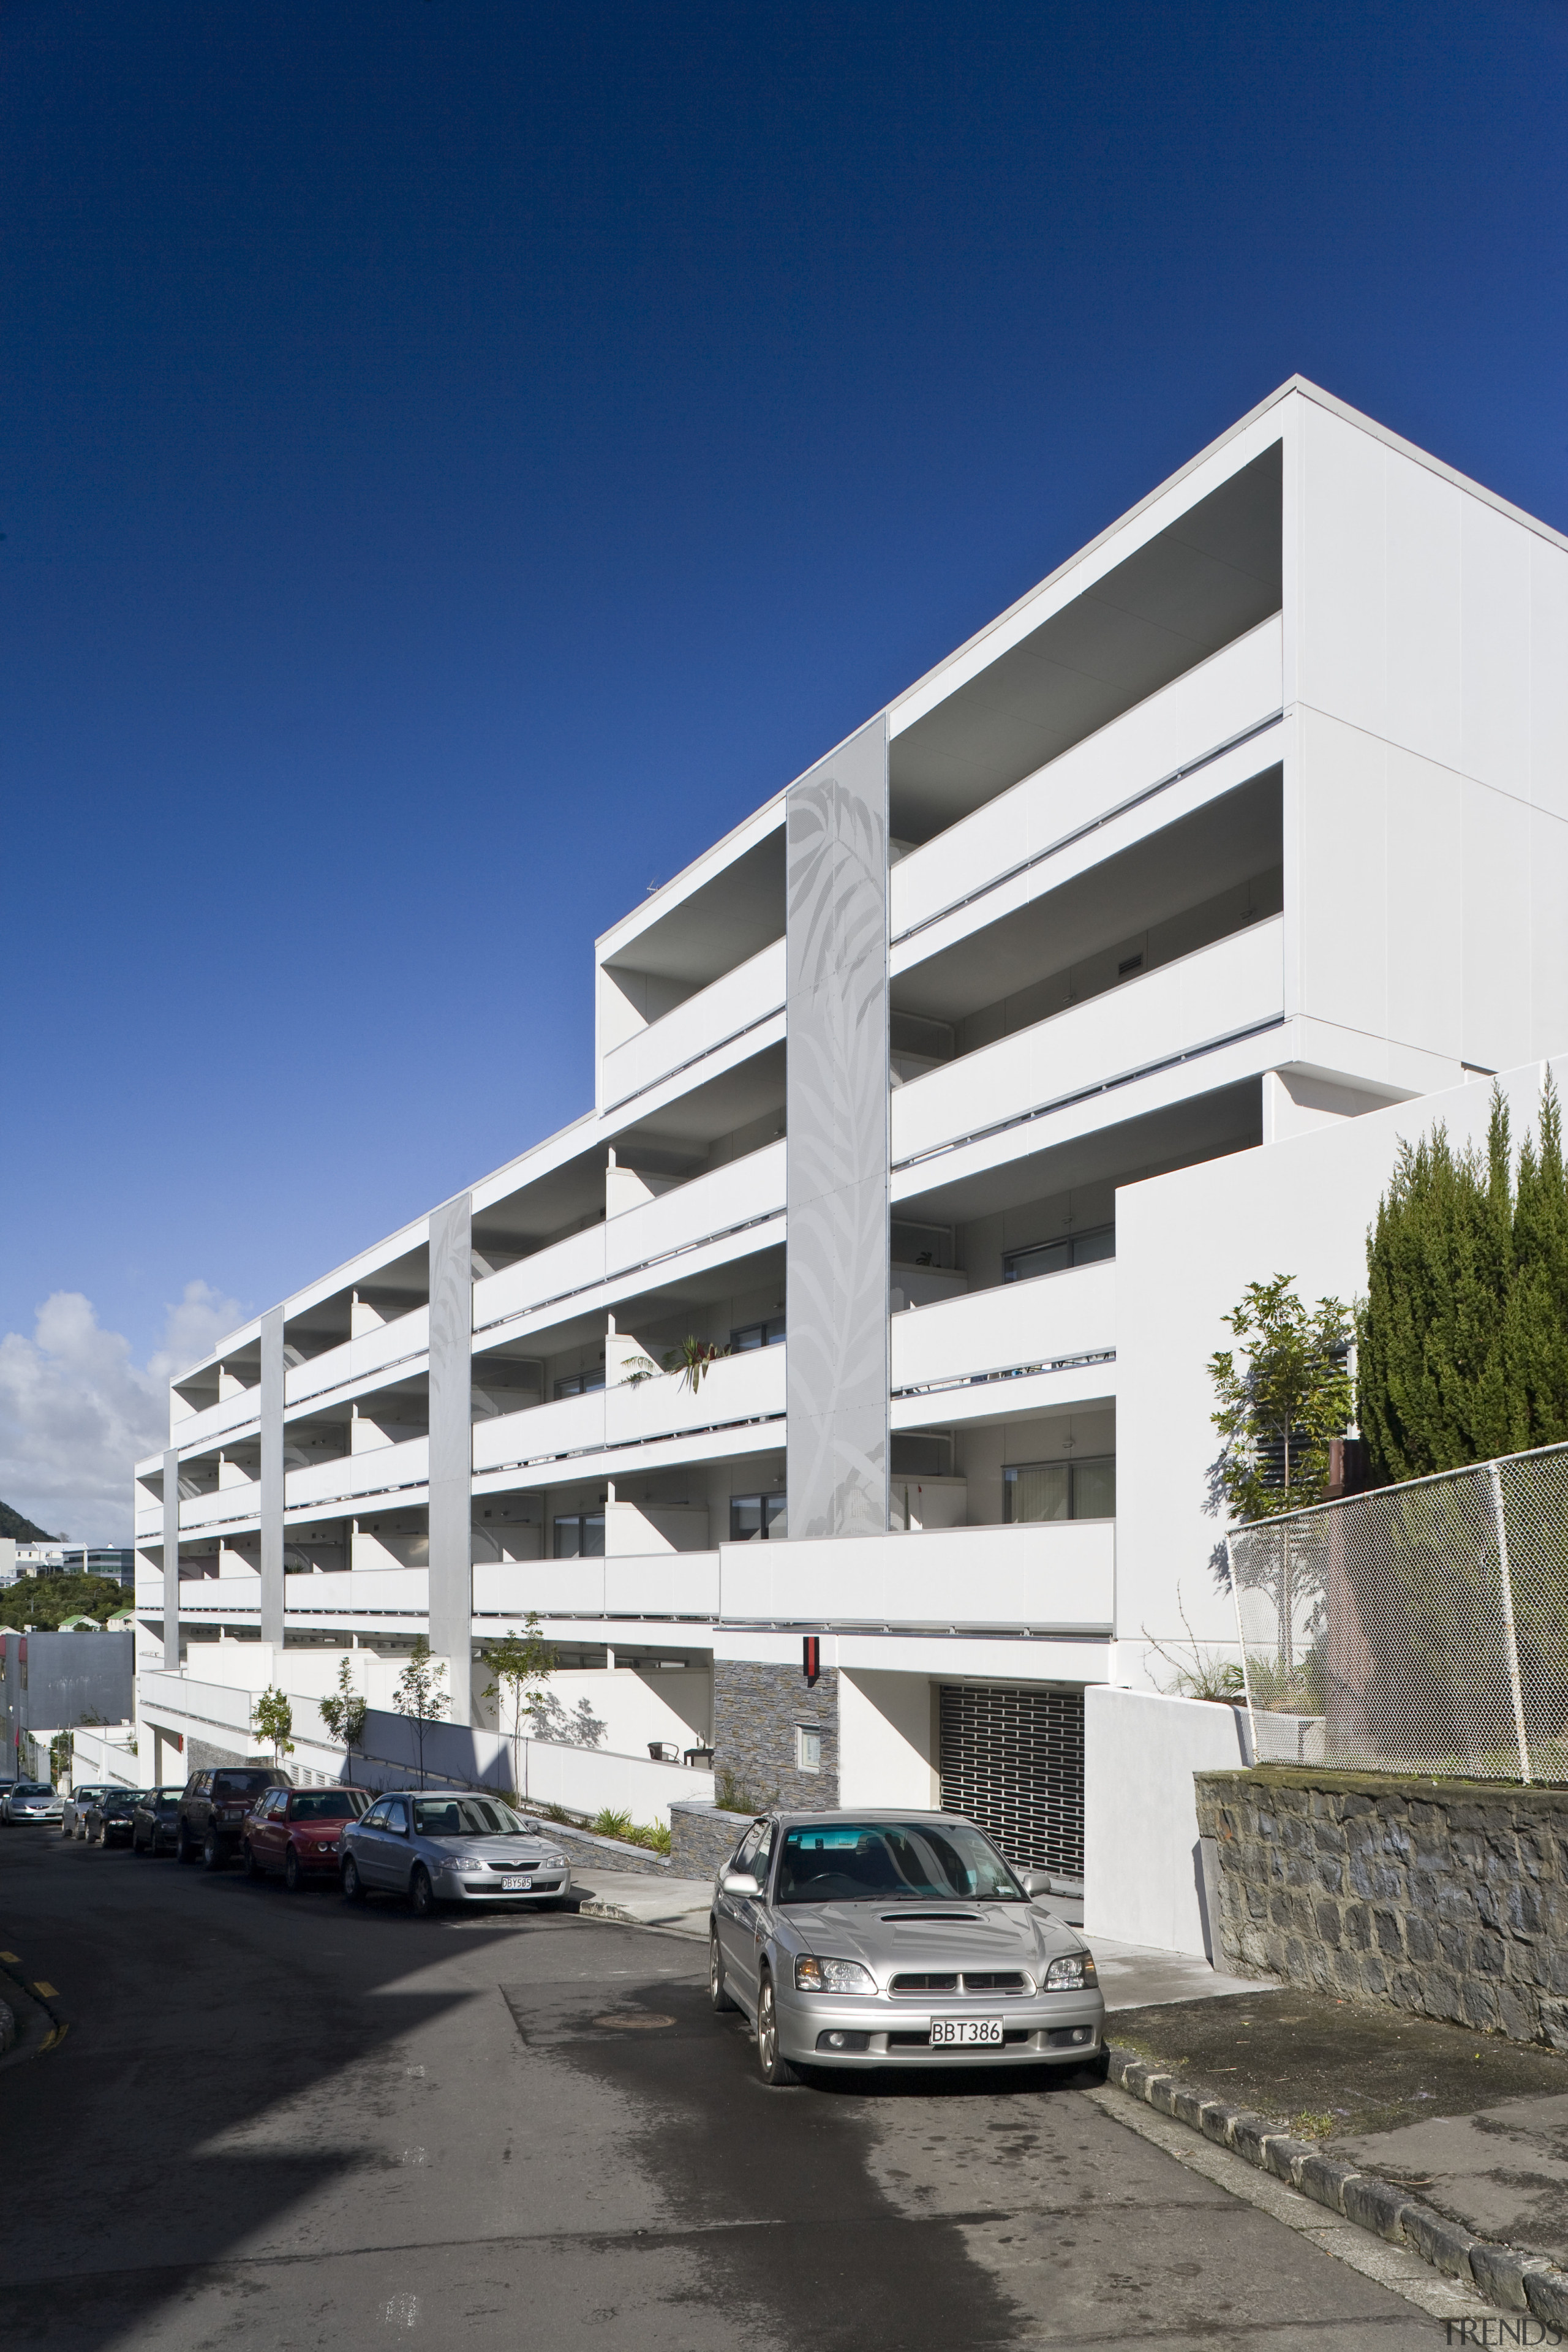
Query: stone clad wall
(1448, 1898)
(756, 1711)
(702, 1837)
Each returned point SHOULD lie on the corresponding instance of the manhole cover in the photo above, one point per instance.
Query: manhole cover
(625, 2016)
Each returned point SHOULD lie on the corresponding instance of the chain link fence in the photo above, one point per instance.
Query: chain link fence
(1418, 1627)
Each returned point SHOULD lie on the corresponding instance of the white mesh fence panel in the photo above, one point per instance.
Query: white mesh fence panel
(1418, 1627)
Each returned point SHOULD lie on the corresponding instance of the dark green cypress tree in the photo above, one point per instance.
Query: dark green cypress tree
(1537, 1335)
(1462, 1338)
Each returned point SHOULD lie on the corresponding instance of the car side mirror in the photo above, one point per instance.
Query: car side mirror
(1036, 1882)
(739, 1882)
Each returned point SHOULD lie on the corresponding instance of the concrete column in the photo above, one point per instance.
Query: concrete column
(451, 1447)
(272, 1476)
(171, 1560)
(837, 963)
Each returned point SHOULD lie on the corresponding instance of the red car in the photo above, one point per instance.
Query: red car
(296, 1831)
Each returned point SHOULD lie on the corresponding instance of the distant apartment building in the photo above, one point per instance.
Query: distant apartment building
(951, 1098)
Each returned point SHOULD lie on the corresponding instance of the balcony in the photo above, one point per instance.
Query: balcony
(741, 1193)
(1222, 992)
(386, 1469)
(575, 1264)
(736, 1389)
(390, 1592)
(225, 1506)
(149, 1523)
(166, 1695)
(652, 1584)
(230, 1412)
(727, 1008)
(396, 1342)
(1017, 1326)
(221, 1598)
(1226, 696)
(1057, 1578)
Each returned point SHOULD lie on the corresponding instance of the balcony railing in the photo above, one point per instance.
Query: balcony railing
(360, 1592)
(223, 1506)
(575, 1264)
(1053, 1578)
(1017, 1326)
(384, 1470)
(399, 1342)
(1222, 697)
(727, 1008)
(736, 1389)
(216, 1420)
(1182, 1009)
(724, 1201)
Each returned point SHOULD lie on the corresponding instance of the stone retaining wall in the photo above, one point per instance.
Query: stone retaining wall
(757, 1712)
(1445, 1897)
(700, 1836)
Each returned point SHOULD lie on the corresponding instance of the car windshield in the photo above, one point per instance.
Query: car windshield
(443, 1817)
(240, 1784)
(879, 1861)
(122, 1804)
(32, 1788)
(332, 1805)
(166, 1799)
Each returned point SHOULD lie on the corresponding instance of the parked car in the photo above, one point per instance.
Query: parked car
(213, 1807)
(295, 1833)
(451, 1848)
(73, 1813)
(152, 1823)
(111, 1817)
(876, 1940)
(30, 1801)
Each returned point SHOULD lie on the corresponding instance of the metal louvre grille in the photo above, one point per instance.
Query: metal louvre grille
(1013, 1760)
(1422, 1627)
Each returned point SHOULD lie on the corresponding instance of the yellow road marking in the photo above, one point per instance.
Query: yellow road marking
(49, 1992)
(53, 2039)
(14, 1956)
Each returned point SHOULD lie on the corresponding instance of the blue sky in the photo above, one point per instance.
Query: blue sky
(459, 458)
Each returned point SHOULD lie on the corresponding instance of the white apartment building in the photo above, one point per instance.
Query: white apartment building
(956, 1093)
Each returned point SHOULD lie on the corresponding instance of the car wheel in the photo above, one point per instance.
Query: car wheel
(248, 1863)
(421, 1893)
(183, 1850)
(291, 1871)
(353, 1885)
(718, 1993)
(777, 2072)
(212, 1852)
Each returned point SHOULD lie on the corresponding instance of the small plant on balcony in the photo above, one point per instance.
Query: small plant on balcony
(345, 1715)
(273, 1717)
(691, 1361)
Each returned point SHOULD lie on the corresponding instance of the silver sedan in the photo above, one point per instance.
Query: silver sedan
(31, 1801)
(876, 1939)
(451, 1848)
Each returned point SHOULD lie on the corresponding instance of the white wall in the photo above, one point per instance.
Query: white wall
(885, 1750)
(1141, 1825)
(1187, 1245)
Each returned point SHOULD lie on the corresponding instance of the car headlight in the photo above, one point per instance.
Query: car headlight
(471, 1862)
(832, 1976)
(1073, 1972)
(554, 1862)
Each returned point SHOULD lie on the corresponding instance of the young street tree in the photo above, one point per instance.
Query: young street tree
(273, 1717)
(1278, 1408)
(520, 1664)
(345, 1715)
(419, 1695)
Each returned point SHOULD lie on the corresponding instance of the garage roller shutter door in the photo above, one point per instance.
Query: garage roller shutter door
(1013, 1760)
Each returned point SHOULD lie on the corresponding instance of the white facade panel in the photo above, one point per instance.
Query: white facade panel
(1017, 1323)
(723, 1010)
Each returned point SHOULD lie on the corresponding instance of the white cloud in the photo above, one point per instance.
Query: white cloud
(75, 1413)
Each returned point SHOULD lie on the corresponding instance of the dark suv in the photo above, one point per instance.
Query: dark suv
(214, 1807)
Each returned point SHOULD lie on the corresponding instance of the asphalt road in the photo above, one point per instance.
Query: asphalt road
(276, 2122)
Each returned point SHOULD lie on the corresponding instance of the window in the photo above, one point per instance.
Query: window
(1055, 1257)
(808, 1747)
(761, 1860)
(754, 1518)
(228, 1786)
(920, 1244)
(396, 1816)
(1033, 1491)
(334, 1805)
(757, 1335)
(376, 1817)
(581, 1383)
(579, 1535)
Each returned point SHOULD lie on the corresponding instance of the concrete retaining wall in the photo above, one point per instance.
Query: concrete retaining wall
(1142, 1870)
(1445, 1897)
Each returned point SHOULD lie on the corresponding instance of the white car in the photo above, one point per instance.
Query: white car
(31, 1801)
(73, 1813)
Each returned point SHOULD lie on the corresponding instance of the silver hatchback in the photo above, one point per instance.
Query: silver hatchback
(31, 1801)
(451, 1848)
(904, 1939)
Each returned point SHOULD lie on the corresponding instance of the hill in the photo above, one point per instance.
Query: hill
(12, 1523)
